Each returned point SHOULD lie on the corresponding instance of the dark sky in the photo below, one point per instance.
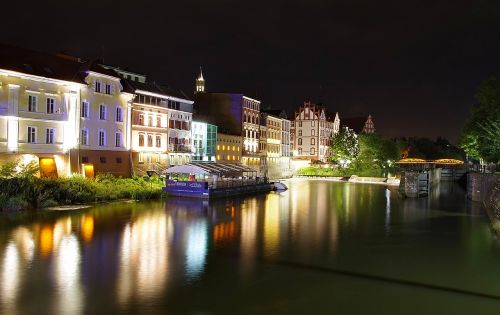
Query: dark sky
(414, 65)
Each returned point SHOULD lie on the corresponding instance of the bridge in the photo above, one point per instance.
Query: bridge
(419, 175)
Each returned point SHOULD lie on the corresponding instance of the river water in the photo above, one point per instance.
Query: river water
(321, 247)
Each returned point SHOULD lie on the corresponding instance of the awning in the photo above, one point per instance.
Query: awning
(209, 168)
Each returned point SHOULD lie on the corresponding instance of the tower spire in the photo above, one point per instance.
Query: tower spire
(200, 83)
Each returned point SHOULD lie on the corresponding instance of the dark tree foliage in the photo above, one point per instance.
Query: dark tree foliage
(480, 136)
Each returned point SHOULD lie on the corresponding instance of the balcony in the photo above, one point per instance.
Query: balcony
(180, 148)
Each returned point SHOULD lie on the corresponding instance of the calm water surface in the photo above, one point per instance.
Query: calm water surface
(319, 248)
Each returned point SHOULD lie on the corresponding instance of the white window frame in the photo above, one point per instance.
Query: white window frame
(103, 112)
(32, 103)
(84, 138)
(119, 114)
(98, 86)
(85, 109)
(50, 136)
(31, 134)
(118, 139)
(103, 143)
(50, 103)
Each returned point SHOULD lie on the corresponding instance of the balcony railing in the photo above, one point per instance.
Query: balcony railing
(179, 148)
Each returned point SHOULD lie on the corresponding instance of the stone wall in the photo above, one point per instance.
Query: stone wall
(480, 186)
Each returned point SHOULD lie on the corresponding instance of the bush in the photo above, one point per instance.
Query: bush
(29, 191)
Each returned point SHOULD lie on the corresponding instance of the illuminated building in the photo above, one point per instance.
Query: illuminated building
(39, 96)
(200, 83)
(234, 114)
(103, 124)
(275, 143)
(204, 138)
(359, 124)
(311, 132)
(160, 125)
(228, 148)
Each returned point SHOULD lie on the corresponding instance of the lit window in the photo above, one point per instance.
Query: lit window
(141, 140)
(158, 141)
(218, 147)
(150, 140)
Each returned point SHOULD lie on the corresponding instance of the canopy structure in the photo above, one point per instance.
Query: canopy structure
(209, 168)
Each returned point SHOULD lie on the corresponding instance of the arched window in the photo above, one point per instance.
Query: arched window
(141, 140)
(300, 141)
(300, 151)
(313, 141)
(313, 151)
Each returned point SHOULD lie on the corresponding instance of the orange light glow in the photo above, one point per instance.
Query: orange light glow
(46, 240)
(87, 227)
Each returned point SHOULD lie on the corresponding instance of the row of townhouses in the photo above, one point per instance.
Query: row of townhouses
(75, 116)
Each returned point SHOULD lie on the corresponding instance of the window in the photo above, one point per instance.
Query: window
(141, 158)
(158, 141)
(300, 141)
(85, 159)
(85, 137)
(313, 151)
(119, 160)
(31, 134)
(141, 140)
(312, 132)
(158, 121)
(108, 88)
(118, 139)
(50, 135)
(102, 138)
(98, 86)
(300, 123)
(32, 103)
(102, 112)
(300, 133)
(141, 119)
(150, 140)
(119, 114)
(85, 110)
(300, 151)
(150, 120)
(50, 105)
(313, 141)
(102, 159)
(312, 123)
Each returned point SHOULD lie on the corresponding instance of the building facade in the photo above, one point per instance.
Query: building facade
(228, 148)
(204, 138)
(360, 124)
(104, 125)
(312, 131)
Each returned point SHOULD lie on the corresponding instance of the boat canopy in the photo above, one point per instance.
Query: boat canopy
(210, 168)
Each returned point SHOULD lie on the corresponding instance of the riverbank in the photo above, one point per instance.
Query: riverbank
(30, 192)
(389, 181)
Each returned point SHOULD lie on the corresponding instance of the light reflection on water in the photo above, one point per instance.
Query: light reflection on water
(174, 255)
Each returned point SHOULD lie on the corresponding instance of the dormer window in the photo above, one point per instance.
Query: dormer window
(108, 89)
(98, 86)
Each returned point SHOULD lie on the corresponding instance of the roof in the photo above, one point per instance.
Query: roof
(355, 123)
(151, 86)
(208, 168)
(275, 112)
(40, 64)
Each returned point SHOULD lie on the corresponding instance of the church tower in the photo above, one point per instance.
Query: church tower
(200, 83)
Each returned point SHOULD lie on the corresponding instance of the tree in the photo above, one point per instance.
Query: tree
(345, 146)
(480, 134)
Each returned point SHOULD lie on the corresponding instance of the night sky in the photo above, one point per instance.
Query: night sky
(413, 65)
